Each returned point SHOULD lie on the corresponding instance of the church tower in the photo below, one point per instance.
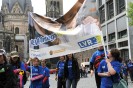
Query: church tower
(54, 8)
(16, 21)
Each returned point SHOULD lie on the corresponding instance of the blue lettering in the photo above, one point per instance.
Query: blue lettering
(43, 39)
(87, 42)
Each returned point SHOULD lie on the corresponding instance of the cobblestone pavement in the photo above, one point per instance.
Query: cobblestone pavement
(88, 82)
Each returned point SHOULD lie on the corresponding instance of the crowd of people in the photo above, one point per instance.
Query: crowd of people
(14, 72)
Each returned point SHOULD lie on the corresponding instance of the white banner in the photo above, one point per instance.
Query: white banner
(76, 31)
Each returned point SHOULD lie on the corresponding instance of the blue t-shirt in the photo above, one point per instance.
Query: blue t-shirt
(106, 82)
(36, 70)
(96, 58)
(130, 65)
(46, 74)
(71, 74)
(60, 66)
(124, 70)
(22, 67)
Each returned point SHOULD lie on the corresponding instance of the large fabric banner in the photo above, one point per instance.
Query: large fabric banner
(78, 30)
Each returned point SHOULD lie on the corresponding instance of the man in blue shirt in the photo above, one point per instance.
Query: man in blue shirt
(94, 63)
(61, 83)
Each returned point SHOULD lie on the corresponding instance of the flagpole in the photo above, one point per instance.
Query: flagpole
(29, 22)
(105, 51)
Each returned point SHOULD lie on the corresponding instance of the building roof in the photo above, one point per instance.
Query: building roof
(23, 3)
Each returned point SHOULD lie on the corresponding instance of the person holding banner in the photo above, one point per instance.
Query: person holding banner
(46, 74)
(61, 83)
(36, 75)
(110, 68)
(71, 71)
(94, 64)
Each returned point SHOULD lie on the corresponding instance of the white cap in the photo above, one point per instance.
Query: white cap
(2, 52)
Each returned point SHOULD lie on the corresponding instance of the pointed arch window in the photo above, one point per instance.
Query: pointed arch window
(16, 30)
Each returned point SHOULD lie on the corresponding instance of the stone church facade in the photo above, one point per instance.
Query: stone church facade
(16, 21)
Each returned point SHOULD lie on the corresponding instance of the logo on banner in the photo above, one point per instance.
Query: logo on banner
(89, 42)
(57, 51)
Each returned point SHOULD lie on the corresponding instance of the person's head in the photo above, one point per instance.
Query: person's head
(14, 56)
(43, 63)
(115, 54)
(70, 56)
(35, 61)
(129, 61)
(62, 58)
(100, 48)
(2, 57)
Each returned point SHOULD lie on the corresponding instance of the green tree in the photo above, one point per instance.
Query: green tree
(130, 13)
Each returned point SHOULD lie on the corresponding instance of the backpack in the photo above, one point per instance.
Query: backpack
(98, 60)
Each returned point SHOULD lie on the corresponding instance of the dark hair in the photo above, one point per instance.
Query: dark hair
(5, 59)
(116, 54)
(67, 58)
(75, 67)
(17, 63)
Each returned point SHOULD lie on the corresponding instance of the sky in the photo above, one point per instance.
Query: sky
(39, 6)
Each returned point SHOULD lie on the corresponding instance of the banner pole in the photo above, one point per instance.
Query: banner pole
(29, 22)
(105, 51)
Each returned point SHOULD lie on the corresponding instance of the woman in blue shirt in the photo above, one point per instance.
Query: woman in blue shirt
(36, 74)
(71, 71)
(110, 68)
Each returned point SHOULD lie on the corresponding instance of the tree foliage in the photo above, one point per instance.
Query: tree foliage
(130, 13)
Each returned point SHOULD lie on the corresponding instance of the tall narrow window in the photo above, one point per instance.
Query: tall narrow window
(100, 2)
(8, 44)
(102, 14)
(120, 6)
(16, 47)
(58, 6)
(16, 30)
(111, 37)
(110, 9)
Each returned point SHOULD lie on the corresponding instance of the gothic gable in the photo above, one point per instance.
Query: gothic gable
(5, 9)
(16, 9)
